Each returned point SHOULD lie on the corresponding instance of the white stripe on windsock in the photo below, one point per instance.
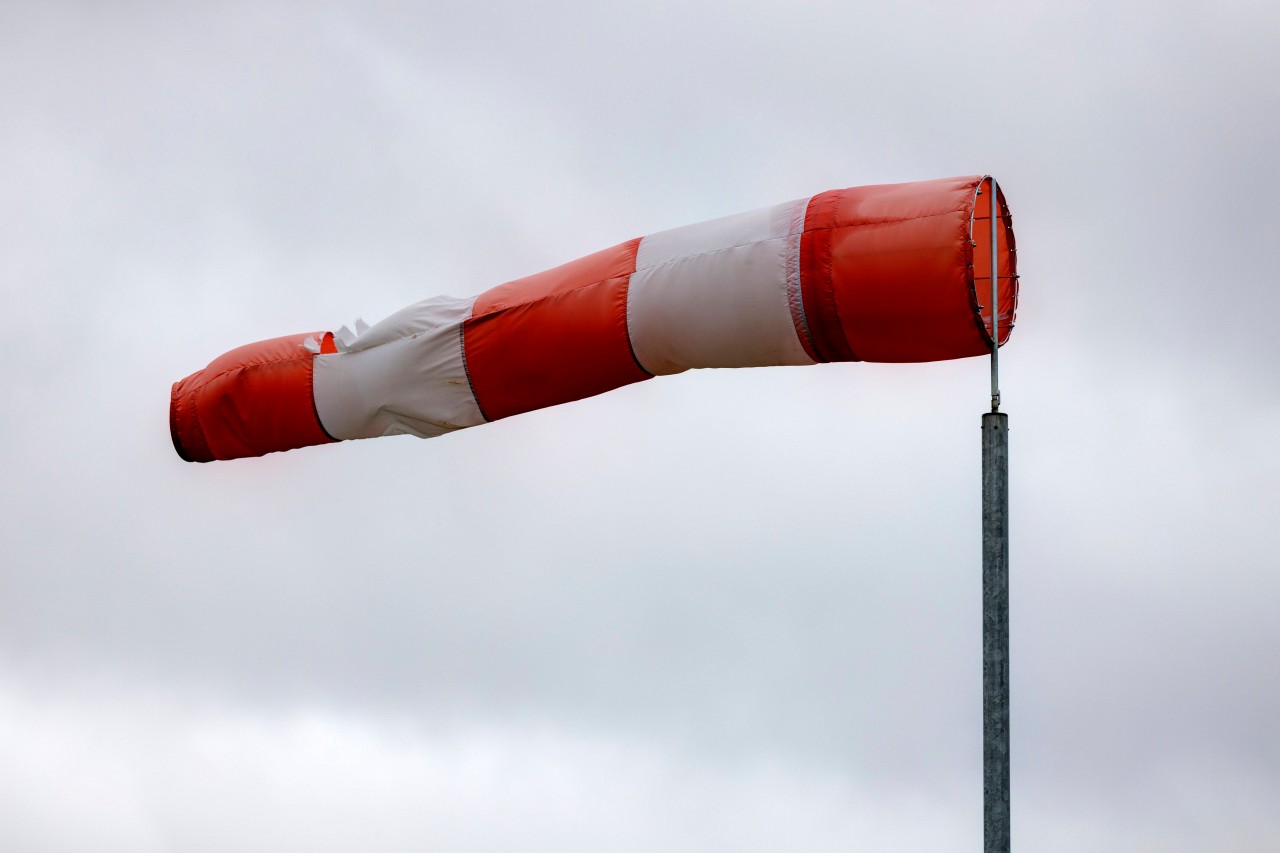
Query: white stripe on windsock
(715, 294)
(404, 376)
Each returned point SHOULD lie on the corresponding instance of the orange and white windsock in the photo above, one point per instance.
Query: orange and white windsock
(890, 273)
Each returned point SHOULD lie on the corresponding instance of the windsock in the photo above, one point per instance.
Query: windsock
(889, 273)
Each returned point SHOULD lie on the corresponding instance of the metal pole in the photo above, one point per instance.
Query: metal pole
(995, 631)
(995, 593)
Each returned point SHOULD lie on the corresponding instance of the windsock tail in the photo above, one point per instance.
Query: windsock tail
(254, 400)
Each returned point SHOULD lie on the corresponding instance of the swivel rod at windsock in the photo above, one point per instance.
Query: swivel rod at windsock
(995, 299)
(886, 273)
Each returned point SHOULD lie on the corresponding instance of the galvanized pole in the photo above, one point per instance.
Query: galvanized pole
(995, 588)
(995, 631)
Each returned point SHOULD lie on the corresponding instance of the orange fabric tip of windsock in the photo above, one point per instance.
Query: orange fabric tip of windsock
(253, 400)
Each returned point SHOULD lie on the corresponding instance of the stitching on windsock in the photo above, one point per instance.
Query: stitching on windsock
(466, 370)
(795, 283)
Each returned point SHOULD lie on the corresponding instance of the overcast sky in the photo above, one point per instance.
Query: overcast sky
(721, 611)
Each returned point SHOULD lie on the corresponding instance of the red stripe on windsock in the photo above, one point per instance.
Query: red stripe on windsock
(253, 400)
(900, 269)
(553, 337)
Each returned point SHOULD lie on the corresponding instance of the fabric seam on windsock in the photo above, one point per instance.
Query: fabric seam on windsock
(466, 370)
(631, 344)
(795, 283)
(315, 407)
(816, 277)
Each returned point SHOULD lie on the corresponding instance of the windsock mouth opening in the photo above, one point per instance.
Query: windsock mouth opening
(980, 268)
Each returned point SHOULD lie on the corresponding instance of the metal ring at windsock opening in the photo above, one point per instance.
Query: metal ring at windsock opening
(1007, 273)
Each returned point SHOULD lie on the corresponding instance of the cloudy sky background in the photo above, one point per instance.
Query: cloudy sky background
(728, 610)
